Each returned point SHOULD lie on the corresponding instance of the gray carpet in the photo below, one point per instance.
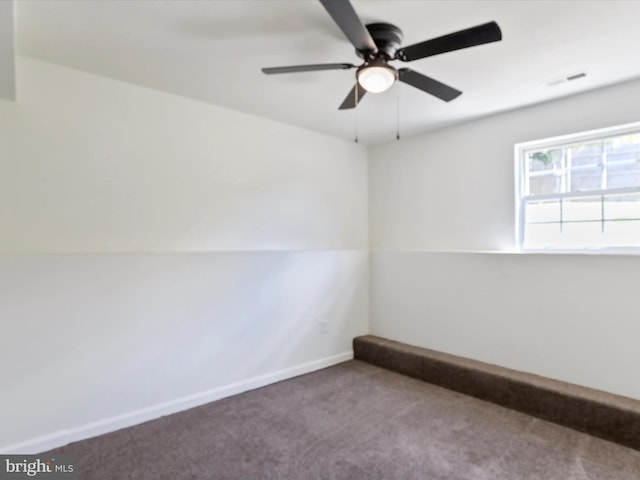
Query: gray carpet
(352, 421)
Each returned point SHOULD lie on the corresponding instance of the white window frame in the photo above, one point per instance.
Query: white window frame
(521, 165)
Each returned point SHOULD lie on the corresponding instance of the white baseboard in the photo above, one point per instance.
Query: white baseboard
(64, 437)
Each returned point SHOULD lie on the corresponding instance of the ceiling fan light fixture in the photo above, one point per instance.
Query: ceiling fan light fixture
(377, 44)
(377, 78)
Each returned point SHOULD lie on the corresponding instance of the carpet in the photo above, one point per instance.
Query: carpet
(352, 421)
(598, 413)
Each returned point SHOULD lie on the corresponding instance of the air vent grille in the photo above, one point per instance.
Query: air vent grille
(568, 78)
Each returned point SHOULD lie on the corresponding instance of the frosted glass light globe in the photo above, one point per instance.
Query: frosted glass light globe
(376, 79)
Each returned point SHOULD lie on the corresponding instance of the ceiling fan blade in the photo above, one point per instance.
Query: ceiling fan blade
(479, 35)
(308, 68)
(354, 97)
(347, 19)
(428, 84)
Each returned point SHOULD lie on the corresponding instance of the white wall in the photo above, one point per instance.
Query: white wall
(452, 190)
(90, 164)
(157, 252)
(7, 51)
(569, 317)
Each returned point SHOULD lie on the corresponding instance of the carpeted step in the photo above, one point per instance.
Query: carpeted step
(595, 412)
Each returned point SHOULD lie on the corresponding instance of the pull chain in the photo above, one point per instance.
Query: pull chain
(356, 111)
(397, 112)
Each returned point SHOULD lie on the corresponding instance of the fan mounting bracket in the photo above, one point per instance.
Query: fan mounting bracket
(387, 38)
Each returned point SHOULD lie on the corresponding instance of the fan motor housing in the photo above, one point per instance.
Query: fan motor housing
(387, 38)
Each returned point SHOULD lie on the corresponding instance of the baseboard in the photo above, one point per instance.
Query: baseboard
(601, 414)
(64, 437)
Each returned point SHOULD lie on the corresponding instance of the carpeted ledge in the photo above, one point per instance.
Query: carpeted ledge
(597, 413)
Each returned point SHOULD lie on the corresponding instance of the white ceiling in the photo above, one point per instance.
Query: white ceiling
(213, 51)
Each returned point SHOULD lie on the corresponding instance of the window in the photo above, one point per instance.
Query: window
(580, 191)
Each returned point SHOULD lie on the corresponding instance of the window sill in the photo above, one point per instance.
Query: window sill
(583, 251)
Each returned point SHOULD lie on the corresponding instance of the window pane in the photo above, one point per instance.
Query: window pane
(542, 184)
(541, 235)
(581, 209)
(585, 153)
(587, 179)
(623, 146)
(622, 233)
(584, 234)
(626, 155)
(623, 175)
(591, 192)
(621, 207)
(542, 212)
(545, 160)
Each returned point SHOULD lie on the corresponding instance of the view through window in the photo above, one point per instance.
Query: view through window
(581, 193)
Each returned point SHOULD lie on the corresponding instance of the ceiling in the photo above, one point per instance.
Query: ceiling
(213, 51)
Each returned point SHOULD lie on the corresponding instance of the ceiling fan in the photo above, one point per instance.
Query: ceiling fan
(379, 43)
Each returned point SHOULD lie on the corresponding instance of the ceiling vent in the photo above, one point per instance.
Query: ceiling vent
(558, 81)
